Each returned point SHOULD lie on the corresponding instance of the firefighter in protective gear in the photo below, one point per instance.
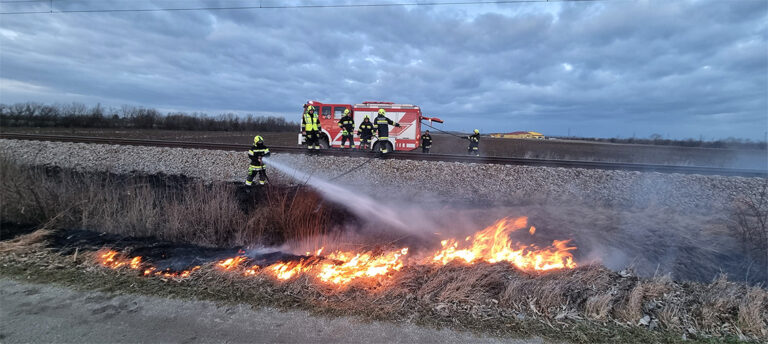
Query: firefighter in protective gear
(426, 142)
(381, 123)
(257, 151)
(347, 124)
(311, 128)
(365, 131)
(474, 142)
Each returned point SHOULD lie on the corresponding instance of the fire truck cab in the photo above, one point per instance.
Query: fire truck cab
(403, 138)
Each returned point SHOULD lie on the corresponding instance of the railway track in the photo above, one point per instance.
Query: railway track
(403, 155)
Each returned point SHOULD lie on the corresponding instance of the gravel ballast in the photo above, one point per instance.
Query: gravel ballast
(408, 179)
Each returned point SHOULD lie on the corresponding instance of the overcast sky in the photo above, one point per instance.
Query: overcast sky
(607, 68)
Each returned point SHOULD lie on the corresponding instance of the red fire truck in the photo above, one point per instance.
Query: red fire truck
(403, 138)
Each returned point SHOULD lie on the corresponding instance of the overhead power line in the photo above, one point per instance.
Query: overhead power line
(253, 7)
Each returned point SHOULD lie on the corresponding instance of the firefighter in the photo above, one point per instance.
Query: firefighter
(381, 123)
(365, 132)
(347, 124)
(257, 151)
(311, 128)
(426, 142)
(474, 142)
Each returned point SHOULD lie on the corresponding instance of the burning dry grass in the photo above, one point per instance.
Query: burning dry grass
(341, 267)
(585, 304)
(498, 292)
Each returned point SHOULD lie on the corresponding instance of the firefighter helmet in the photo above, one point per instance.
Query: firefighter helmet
(346, 111)
(257, 139)
(381, 111)
(477, 131)
(310, 108)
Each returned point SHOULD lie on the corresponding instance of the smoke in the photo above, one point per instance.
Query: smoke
(635, 229)
(361, 205)
(385, 213)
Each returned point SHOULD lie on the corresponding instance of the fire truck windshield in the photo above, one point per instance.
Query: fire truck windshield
(326, 111)
(339, 111)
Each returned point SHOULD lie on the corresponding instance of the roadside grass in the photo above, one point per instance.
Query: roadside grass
(208, 214)
(589, 304)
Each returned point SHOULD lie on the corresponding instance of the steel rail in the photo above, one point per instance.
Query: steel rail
(403, 155)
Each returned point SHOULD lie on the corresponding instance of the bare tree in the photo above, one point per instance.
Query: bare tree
(751, 212)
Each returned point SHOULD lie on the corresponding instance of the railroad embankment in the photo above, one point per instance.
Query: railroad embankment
(409, 179)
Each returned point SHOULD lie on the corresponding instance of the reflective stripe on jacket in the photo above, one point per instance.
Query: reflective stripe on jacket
(366, 130)
(426, 140)
(311, 123)
(256, 152)
(474, 140)
(347, 123)
(382, 124)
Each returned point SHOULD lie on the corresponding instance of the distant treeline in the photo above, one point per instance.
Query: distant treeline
(656, 139)
(77, 115)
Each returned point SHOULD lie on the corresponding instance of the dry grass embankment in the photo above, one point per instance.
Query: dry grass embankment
(588, 304)
(214, 214)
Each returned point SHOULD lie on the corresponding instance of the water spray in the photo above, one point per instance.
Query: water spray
(361, 205)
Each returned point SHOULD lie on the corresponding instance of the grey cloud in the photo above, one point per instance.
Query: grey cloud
(605, 69)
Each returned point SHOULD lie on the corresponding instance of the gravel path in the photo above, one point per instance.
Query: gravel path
(33, 313)
(410, 179)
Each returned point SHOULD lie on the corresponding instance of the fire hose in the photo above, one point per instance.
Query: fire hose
(445, 132)
(353, 169)
(374, 157)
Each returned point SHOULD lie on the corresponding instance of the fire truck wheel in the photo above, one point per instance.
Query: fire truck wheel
(324, 142)
(379, 145)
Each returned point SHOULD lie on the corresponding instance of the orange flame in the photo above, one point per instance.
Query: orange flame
(493, 244)
(251, 271)
(284, 271)
(110, 259)
(231, 263)
(360, 265)
(341, 267)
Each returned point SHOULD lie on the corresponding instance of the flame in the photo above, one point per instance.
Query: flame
(252, 271)
(360, 265)
(284, 271)
(492, 244)
(135, 263)
(111, 259)
(231, 263)
(341, 267)
(108, 259)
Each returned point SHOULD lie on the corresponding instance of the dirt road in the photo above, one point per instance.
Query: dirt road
(44, 314)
